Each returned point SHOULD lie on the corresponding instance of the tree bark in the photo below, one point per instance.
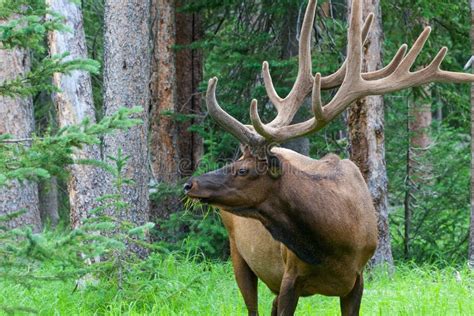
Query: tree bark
(48, 202)
(176, 74)
(164, 145)
(126, 82)
(418, 168)
(74, 104)
(419, 175)
(290, 49)
(326, 9)
(471, 239)
(17, 119)
(189, 74)
(366, 137)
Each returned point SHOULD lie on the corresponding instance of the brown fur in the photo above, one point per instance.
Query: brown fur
(309, 231)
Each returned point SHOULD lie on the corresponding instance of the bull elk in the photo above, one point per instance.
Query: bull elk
(300, 225)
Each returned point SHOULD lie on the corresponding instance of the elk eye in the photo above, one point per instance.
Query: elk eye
(242, 172)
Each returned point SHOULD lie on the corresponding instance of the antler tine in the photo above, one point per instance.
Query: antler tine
(269, 87)
(354, 46)
(397, 74)
(390, 68)
(318, 110)
(305, 74)
(257, 124)
(447, 76)
(335, 80)
(410, 58)
(243, 133)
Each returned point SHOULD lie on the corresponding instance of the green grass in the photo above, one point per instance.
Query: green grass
(174, 286)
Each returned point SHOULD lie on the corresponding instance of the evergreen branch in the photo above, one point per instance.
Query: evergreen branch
(9, 217)
(38, 79)
(14, 310)
(18, 140)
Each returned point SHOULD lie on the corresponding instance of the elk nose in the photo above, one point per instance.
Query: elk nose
(188, 186)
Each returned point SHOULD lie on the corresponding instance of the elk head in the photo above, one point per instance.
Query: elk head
(240, 182)
(241, 185)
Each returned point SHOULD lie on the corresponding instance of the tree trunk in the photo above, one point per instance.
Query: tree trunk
(126, 81)
(419, 175)
(74, 104)
(471, 239)
(164, 136)
(48, 201)
(176, 75)
(17, 119)
(326, 9)
(366, 136)
(418, 168)
(420, 119)
(290, 49)
(189, 74)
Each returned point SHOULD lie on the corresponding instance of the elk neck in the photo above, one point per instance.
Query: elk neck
(291, 218)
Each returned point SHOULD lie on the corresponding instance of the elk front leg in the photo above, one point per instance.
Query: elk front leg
(246, 280)
(350, 304)
(288, 297)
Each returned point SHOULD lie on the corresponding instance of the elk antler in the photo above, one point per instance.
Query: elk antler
(353, 84)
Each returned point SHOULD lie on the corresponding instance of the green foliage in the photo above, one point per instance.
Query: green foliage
(93, 15)
(196, 231)
(41, 157)
(441, 207)
(173, 285)
(97, 250)
(124, 238)
(239, 35)
(27, 25)
(71, 255)
(38, 80)
(28, 31)
(440, 223)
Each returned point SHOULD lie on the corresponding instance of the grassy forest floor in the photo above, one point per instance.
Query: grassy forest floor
(187, 287)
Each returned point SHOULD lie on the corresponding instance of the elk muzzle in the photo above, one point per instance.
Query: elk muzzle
(206, 186)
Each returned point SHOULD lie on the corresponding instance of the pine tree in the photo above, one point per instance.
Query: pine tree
(126, 79)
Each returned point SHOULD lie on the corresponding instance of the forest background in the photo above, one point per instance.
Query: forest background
(110, 121)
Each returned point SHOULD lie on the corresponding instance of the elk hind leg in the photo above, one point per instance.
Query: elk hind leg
(350, 304)
(246, 280)
(275, 307)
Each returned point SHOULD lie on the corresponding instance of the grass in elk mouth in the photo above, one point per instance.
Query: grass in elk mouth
(187, 286)
(191, 203)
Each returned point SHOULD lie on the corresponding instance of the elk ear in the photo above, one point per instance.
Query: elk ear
(274, 166)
